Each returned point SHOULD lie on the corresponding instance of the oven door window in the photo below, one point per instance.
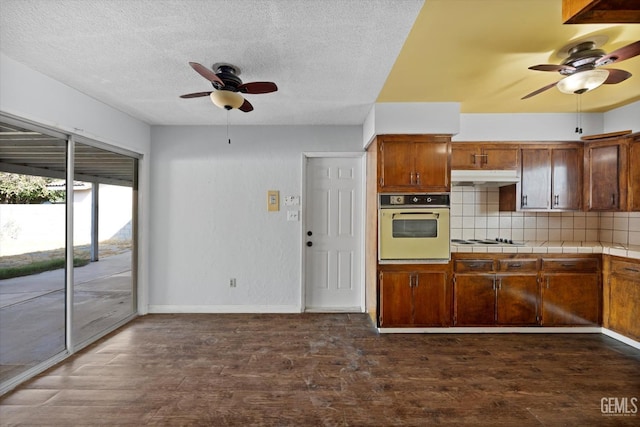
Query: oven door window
(414, 228)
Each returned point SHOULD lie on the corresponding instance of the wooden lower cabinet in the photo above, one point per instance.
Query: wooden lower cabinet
(489, 300)
(624, 298)
(413, 297)
(571, 299)
(571, 291)
(517, 300)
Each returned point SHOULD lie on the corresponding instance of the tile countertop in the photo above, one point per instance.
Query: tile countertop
(554, 247)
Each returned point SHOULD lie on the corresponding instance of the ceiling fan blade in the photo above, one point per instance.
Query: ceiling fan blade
(616, 76)
(551, 67)
(246, 106)
(206, 73)
(542, 89)
(258, 87)
(625, 52)
(195, 94)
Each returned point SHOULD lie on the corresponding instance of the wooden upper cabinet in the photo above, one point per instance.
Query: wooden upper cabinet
(611, 174)
(566, 178)
(414, 163)
(491, 156)
(551, 178)
(536, 179)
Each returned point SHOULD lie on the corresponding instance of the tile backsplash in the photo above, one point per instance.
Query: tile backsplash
(475, 215)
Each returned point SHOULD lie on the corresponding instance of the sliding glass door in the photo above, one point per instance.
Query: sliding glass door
(67, 246)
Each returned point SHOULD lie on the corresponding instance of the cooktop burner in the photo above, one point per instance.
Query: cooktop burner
(496, 241)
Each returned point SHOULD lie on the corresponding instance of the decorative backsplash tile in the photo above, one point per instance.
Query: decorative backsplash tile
(475, 215)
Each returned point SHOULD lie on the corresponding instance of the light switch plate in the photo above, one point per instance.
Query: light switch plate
(273, 200)
(291, 200)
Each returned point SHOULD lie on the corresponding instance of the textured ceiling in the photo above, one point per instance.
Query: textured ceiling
(330, 58)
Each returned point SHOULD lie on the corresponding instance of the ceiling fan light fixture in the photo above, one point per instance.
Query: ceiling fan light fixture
(582, 81)
(226, 99)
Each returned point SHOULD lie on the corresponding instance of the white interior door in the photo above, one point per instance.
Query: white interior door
(333, 234)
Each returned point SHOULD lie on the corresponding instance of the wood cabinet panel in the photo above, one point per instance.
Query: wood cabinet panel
(432, 165)
(431, 304)
(412, 298)
(478, 265)
(474, 300)
(517, 300)
(566, 169)
(570, 264)
(414, 163)
(536, 179)
(604, 177)
(624, 297)
(518, 265)
(395, 299)
(571, 299)
(485, 155)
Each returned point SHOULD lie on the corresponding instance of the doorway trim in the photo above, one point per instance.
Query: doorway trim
(333, 154)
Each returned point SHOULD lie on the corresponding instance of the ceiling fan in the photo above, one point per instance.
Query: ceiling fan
(228, 86)
(581, 68)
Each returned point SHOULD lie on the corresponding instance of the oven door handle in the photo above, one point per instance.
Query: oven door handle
(415, 215)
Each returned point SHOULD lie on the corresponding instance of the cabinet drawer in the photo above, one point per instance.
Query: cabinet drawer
(473, 265)
(626, 268)
(516, 265)
(581, 265)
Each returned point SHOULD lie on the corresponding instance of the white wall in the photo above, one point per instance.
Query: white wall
(32, 96)
(623, 118)
(210, 221)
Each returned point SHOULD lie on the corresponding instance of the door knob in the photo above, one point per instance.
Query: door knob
(309, 233)
(309, 244)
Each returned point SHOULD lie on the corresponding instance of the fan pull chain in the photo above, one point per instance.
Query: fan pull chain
(578, 114)
(229, 139)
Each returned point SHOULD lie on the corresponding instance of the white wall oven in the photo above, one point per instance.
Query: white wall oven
(413, 228)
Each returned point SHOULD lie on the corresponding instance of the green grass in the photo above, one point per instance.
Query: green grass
(39, 267)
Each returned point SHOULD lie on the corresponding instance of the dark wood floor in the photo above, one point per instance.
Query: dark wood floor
(326, 369)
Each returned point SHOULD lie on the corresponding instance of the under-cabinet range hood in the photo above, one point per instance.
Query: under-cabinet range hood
(484, 178)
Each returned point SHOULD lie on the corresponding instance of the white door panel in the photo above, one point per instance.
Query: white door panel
(333, 216)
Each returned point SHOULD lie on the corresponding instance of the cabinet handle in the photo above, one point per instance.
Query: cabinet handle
(473, 157)
(566, 265)
(613, 199)
(416, 281)
(411, 178)
(547, 283)
(515, 265)
(418, 178)
(556, 200)
(500, 283)
(524, 200)
(484, 159)
(494, 284)
(635, 270)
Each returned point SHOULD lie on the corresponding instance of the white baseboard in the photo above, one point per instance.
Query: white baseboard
(495, 330)
(621, 338)
(238, 309)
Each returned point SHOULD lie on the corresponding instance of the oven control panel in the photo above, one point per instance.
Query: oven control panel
(414, 200)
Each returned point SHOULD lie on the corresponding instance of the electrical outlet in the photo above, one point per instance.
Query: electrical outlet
(232, 282)
(292, 215)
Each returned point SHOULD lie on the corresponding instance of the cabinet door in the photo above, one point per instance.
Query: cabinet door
(624, 306)
(430, 302)
(603, 179)
(566, 178)
(634, 176)
(474, 299)
(395, 299)
(432, 166)
(397, 165)
(571, 299)
(536, 179)
(465, 156)
(495, 158)
(517, 300)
